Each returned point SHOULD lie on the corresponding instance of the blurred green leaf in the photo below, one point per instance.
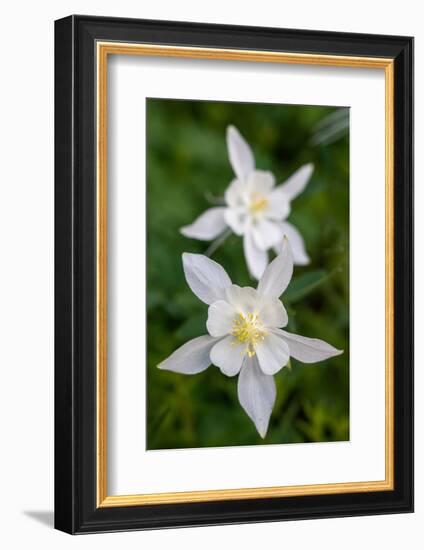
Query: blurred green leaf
(193, 327)
(303, 285)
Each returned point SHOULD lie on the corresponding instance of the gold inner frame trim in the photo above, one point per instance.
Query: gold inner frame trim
(103, 50)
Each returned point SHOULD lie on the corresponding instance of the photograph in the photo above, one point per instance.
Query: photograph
(247, 273)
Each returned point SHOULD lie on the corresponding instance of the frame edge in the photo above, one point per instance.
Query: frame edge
(64, 448)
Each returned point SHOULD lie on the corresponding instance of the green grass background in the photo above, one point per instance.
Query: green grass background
(186, 160)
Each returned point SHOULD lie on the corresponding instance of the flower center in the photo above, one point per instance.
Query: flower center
(248, 329)
(257, 204)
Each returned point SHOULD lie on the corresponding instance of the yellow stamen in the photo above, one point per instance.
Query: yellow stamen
(247, 329)
(258, 204)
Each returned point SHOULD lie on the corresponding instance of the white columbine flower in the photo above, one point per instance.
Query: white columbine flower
(254, 209)
(245, 332)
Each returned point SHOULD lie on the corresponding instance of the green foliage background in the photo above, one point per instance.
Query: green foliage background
(186, 160)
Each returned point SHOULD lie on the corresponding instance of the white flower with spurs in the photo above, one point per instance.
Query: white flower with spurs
(245, 332)
(254, 209)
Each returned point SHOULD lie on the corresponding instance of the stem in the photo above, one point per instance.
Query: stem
(212, 199)
(217, 243)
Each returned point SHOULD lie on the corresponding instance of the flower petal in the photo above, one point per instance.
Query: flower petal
(256, 258)
(273, 354)
(256, 393)
(277, 275)
(228, 355)
(235, 194)
(207, 226)
(297, 244)
(307, 350)
(221, 317)
(260, 182)
(240, 154)
(206, 278)
(297, 182)
(278, 205)
(192, 357)
(272, 313)
(244, 300)
(236, 218)
(266, 233)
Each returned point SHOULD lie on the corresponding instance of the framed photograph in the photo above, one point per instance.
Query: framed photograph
(234, 274)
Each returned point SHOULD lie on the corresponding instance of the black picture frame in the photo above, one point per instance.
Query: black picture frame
(76, 509)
